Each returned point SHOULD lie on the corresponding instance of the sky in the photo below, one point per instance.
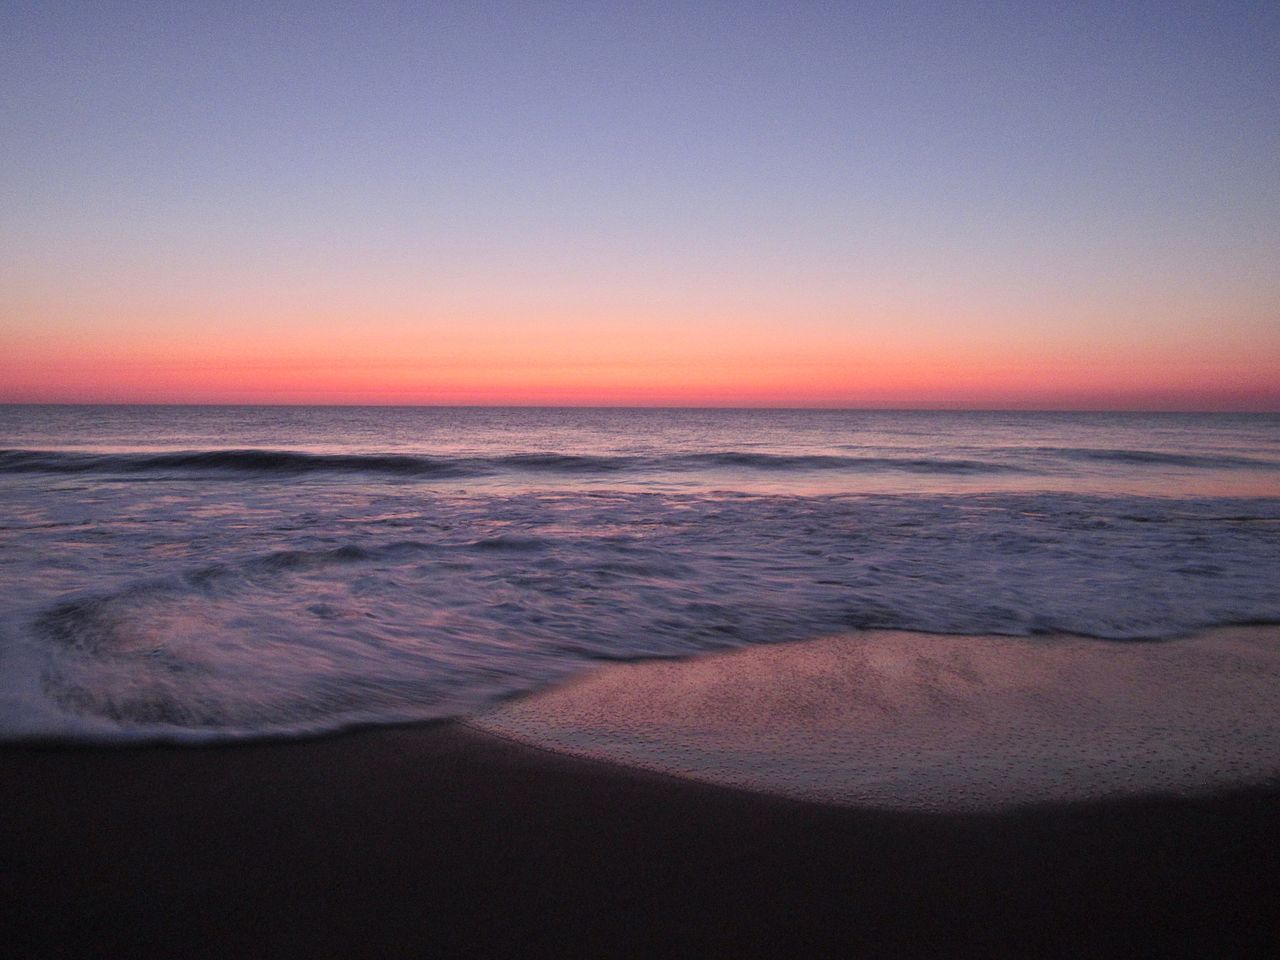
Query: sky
(725, 204)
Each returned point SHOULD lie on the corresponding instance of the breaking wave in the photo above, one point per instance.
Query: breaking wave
(1159, 458)
(203, 574)
(288, 462)
(436, 606)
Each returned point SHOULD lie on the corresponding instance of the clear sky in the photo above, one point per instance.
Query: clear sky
(848, 204)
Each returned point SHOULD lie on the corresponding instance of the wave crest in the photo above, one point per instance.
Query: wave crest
(289, 463)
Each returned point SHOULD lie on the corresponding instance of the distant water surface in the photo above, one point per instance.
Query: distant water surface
(208, 572)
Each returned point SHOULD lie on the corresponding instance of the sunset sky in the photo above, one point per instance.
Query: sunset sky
(831, 204)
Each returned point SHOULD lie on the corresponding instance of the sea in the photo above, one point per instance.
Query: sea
(196, 574)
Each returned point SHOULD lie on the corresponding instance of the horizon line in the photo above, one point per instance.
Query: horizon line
(954, 408)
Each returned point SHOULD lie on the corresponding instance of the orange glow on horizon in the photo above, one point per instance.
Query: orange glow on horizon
(879, 358)
(524, 375)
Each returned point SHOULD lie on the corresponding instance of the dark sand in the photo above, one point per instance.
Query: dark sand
(441, 840)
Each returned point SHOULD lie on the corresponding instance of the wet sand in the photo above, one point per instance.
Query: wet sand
(444, 841)
(901, 720)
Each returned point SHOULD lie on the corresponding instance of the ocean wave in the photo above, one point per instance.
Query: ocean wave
(1157, 458)
(233, 461)
(771, 461)
(251, 630)
(291, 463)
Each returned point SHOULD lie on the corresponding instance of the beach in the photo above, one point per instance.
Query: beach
(442, 839)
(904, 720)
(517, 480)
(367, 682)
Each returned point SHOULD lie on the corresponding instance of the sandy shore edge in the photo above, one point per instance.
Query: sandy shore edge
(902, 720)
(442, 839)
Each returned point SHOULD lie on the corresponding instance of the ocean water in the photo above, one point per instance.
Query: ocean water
(200, 573)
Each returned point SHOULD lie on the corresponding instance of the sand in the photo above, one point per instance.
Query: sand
(443, 840)
(927, 722)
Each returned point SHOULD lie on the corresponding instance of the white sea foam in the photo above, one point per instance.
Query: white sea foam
(169, 575)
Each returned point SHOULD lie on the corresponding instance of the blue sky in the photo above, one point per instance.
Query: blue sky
(1099, 176)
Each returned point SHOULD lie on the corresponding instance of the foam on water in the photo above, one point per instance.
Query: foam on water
(190, 574)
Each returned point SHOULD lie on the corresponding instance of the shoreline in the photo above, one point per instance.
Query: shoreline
(899, 720)
(442, 838)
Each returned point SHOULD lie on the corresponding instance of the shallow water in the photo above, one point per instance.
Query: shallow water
(928, 722)
(200, 573)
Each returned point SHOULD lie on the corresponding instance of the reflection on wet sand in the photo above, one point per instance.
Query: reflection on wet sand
(934, 722)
